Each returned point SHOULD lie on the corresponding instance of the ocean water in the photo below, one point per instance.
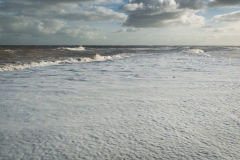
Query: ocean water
(119, 102)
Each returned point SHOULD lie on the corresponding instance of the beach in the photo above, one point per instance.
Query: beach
(160, 102)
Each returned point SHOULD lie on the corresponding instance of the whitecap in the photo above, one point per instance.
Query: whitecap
(74, 49)
(11, 67)
(20, 66)
(8, 51)
(97, 57)
(196, 52)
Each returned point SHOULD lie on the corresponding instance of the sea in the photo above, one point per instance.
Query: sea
(119, 102)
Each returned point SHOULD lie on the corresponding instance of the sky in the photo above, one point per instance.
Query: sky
(119, 22)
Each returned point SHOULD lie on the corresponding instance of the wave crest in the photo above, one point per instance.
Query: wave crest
(74, 49)
(97, 57)
(196, 52)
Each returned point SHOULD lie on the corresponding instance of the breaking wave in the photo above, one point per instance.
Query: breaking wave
(24, 65)
(97, 57)
(233, 48)
(8, 51)
(199, 52)
(74, 49)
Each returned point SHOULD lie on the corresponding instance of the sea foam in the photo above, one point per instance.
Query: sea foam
(74, 49)
(153, 106)
(196, 52)
(148, 106)
(20, 66)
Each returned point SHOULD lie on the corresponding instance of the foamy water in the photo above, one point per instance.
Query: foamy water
(196, 52)
(74, 48)
(22, 57)
(20, 66)
(143, 106)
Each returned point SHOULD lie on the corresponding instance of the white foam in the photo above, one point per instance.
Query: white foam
(196, 52)
(9, 51)
(97, 57)
(25, 65)
(74, 49)
(233, 48)
(158, 106)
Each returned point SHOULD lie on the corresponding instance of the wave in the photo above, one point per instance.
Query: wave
(23, 66)
(97, 57)
(73, 49)
(8, 51)
(233, 48)
(199, 52)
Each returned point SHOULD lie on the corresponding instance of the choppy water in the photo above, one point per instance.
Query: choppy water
(126, 103)
(21, 57)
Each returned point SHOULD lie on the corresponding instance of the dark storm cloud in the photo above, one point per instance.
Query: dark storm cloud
(223, 3)
(191, 4)
(152, 21)
(24, 7)
(160, 13)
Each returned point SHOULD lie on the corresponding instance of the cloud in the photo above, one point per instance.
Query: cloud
(92, 14)
(191, 4)
(161, 13)
(55, 18)
(84, 32)
(132, 7)
(78, 1)
(130, 30)
(223, 3)
(219, 30)
(23, 25)
(71, 1)
(231, 17)
(206, 26)
(68, 12)
(13, 25)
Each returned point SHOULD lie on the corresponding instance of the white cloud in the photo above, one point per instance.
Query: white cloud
(230, 17)
(24, 25)
(81, 32)
(130, 30)
(55, 17)
(132, 7)
(91, 14)
(79, 21)
(28, 26)
(72, 1)
(67, 12)
(189, 18)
